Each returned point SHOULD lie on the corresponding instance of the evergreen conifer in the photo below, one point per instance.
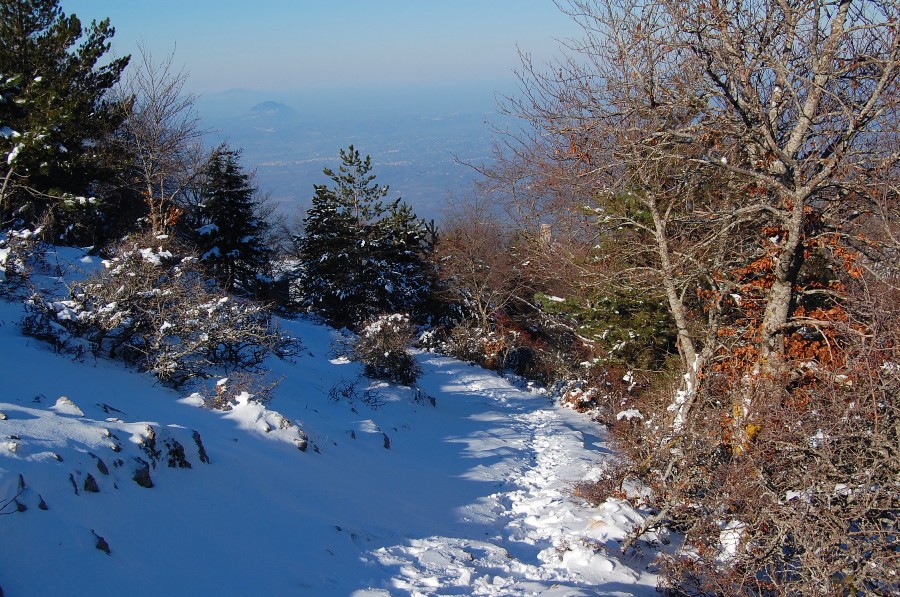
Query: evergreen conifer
(231, 234)
(361, 257)
(54, 111)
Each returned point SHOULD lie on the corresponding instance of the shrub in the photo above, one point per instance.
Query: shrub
(382, 347)
(157, 311)
(795, 493)
(465, 342)
(349, 392)
(223, 395)
(21, 251)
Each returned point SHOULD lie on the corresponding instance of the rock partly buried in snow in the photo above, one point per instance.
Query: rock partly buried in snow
(254, 416)
(175, 453)
(147, 443)
(142, 473)
(65, 406)
(101, 466)
(102, 544)
(201, 449)
(302, 441)
(90, 484)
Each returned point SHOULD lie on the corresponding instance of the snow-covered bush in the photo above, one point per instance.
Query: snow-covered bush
(20, 252)
(382, 346)
(155, 309)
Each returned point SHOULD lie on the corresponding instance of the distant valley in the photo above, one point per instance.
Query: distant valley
(420, 141)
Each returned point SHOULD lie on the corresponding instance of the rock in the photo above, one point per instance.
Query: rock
(387, 441)
(20, 507)
(175, 452)
(101, 466)
(102, 545)
(65, 406)
(90, 484)
(201, 450)
(142, 473)
(42, 504)
(301, 441)
(148, 445)
(74, 484)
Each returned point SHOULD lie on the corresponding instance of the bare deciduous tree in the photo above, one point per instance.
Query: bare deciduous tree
(718, 133)
(163, 135)
(478, 264)
(741, 159)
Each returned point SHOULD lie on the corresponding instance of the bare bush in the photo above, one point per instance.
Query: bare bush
(162, 135)
(349, 392)
(223, 395)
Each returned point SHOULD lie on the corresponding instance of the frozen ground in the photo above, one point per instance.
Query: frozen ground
(468, 496)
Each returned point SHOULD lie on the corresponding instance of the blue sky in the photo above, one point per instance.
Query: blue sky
(300, 44)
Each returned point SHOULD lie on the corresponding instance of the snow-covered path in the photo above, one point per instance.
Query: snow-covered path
(527, 535)
(469, 496)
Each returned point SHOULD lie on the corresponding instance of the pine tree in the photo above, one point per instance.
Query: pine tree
(54, 110)
(231, 234)
(360, 257)
(404, 277)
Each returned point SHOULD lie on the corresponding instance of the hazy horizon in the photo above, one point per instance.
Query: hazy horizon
(420, 143)
(413, 84)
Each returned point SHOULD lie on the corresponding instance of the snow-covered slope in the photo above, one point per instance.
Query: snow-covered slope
(468, 495)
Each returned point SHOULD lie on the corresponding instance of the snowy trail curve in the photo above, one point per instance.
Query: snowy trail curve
(541, 540)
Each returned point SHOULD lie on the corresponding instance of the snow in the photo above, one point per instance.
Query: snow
(305, 494)
(154, 256)
(12, 155)
(729, 540)
(629, 414)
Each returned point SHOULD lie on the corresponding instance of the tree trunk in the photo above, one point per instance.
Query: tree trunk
(692, 361)
(781, 294)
